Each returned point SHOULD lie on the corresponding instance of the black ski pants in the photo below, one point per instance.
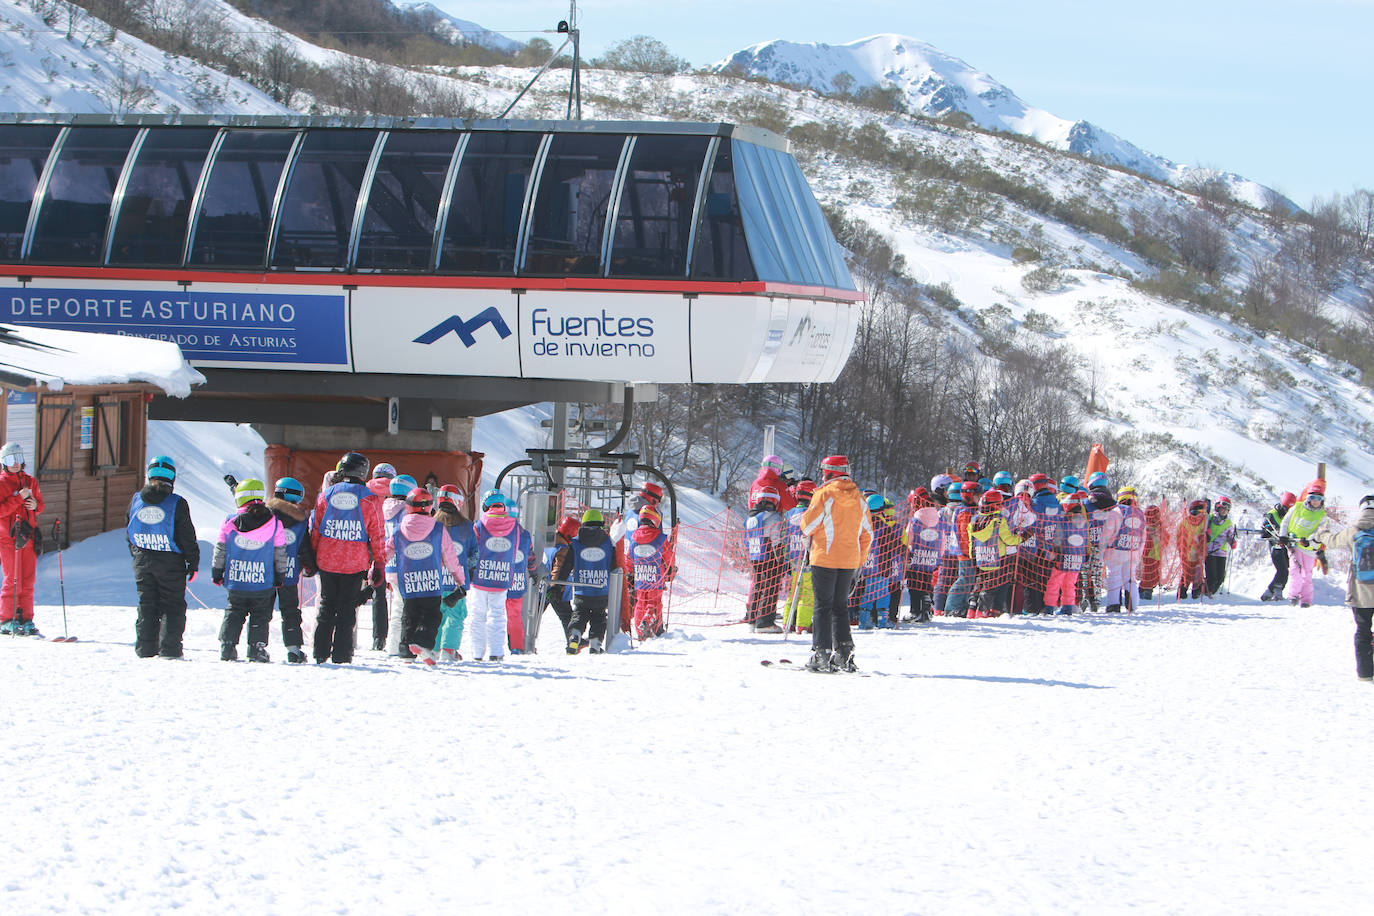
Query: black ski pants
(830, 620)
(381, 619)
(1279, 557)
(1364, 641)
(289, 603)
(589, 611)
(256, 608)
(420, 619)
(563, 608)
(1215, 573)
(161, 580)
(338, 614)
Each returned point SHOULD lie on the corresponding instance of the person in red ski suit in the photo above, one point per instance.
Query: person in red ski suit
(770, 478)
(20, 504)
(350, 544)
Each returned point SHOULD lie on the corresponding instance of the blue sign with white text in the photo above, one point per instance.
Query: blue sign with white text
(220, 326)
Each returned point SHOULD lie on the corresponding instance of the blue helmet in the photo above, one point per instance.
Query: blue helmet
(1002, 477)
(384, 470)
(401, 485)
(875, 502)
(1097, 479)
(955, 492)
(493, 498)
(162, 468)
(1069, 484)
(289, 489)
(984, 484)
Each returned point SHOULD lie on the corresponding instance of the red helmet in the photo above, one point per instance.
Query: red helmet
(568, 527)
(419, 500)
(804, 490)
(969, 486)
(652, 491)
(991, 499)
(834, 466)
(764, 494)
(452, 496)
(1288, 500)
(649, 516)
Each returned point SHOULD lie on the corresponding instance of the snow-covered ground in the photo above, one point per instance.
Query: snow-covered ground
(1194, 758)
(1190, 759)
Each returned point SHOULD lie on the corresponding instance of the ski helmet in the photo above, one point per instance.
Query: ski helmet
(289, 489)
(1002, 477)
(493, 498)
(384, 470)
(248, 491)
(1022, 486)
(1069, 483)
(1317, 486)
(772, 461)
(401, 485)
(12, 455)
(834, 466)
(875, 502)
(992, 499)
(970, 489)
(1039, 481)
(805, 490)
(940, 482)
(1288, 500)
(985, 483)
(512, 509)
(418, 500)
(162, 468)
(568, 527)
(1126, 494)
(353, 465)
(451, 496)
(1097, 479)
(1223, 504)
(1074, 505)
(593, 517)
(764, 495)
(652, 491)
(1367, 501)
(650, 517)
(972, 471)
(955, 492)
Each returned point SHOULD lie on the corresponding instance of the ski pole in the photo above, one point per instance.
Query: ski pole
(61, 580)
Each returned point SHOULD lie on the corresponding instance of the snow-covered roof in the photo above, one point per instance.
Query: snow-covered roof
(42, 356)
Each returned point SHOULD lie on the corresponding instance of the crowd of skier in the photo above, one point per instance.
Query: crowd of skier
(986, 547)
(833, 556)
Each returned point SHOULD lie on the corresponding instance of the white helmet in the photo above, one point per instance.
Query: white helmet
(12, 455)
(939, 482)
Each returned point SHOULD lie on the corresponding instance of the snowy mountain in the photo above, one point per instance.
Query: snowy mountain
(936, 84)
(461, 31)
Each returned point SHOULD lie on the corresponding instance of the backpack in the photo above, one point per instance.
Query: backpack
(1362, 556)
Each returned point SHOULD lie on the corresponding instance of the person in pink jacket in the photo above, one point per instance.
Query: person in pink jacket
(422, 550)
(250, 562)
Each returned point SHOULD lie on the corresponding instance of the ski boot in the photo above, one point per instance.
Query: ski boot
(1113, 609)
(451, 655)
(819, 662)
(26, 628)
(428, 656)
(496, 658)
(228, 652)
(9, 628)
(294, 655)
(843, 661)
(865, 620)
(883, 623)
(596, 647)
(574, 644)
(258, 653)
(1147, 594)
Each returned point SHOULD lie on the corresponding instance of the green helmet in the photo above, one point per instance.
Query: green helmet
(250, 490)
(593, 517)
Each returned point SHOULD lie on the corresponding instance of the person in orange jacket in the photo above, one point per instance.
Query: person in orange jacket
(841, 534)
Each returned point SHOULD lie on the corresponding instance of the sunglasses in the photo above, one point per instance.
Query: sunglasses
(1196, 510)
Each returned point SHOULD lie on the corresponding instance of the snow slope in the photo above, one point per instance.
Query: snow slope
(461, 31)
(935, 83)
(79, 64)
(1198, 759)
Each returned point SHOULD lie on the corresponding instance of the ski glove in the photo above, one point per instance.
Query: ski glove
(377, 576)
(217, 576)
(453, 597)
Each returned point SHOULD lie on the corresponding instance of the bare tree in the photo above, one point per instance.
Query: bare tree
(642, 54)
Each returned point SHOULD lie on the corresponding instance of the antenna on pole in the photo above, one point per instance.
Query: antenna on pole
(575, 85)
(569, 28)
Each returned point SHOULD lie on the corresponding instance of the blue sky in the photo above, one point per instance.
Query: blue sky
(1277, 91)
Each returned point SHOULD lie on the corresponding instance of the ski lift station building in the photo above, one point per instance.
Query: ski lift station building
(379, 282)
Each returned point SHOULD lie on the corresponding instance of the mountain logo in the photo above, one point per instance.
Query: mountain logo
(466, 330)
